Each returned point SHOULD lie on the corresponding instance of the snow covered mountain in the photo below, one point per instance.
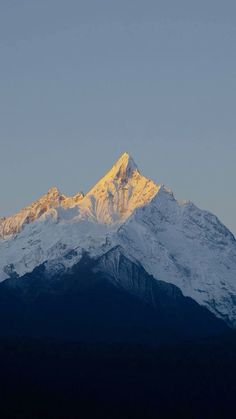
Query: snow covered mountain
(111, 200)
(46, 205)
(175, 242)
(104, 299)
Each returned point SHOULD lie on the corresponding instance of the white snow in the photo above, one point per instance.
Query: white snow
(175, 241)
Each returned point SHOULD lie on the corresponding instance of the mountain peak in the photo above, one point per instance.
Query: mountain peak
(124, 167)
(126, 160)
(53, 192)
(118, 193)
(110, 201)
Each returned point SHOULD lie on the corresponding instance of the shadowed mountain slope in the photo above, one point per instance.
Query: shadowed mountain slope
(109, 299)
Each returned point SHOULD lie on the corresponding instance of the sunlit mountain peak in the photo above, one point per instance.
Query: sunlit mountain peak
(119, 192)
(124, 166)
(112, 200)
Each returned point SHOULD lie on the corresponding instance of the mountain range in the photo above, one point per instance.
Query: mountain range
(126, 261)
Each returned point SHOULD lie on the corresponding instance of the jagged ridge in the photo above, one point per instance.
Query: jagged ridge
(111, 200)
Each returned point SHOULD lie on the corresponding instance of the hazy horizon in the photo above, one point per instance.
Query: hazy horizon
(82, 82)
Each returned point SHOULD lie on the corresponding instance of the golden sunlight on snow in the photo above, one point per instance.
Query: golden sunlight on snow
(111, 200)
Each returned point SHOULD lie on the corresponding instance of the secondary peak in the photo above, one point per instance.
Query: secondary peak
(53, 192)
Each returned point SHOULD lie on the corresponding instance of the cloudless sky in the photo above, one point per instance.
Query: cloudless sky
(83, 81)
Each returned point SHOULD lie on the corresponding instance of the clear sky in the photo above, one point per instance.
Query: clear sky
(83, 81)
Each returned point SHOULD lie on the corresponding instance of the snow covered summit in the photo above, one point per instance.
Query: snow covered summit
(111, 200)
(118, 193)
(175, 242)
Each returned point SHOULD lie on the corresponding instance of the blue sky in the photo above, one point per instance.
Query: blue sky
(83, 81)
